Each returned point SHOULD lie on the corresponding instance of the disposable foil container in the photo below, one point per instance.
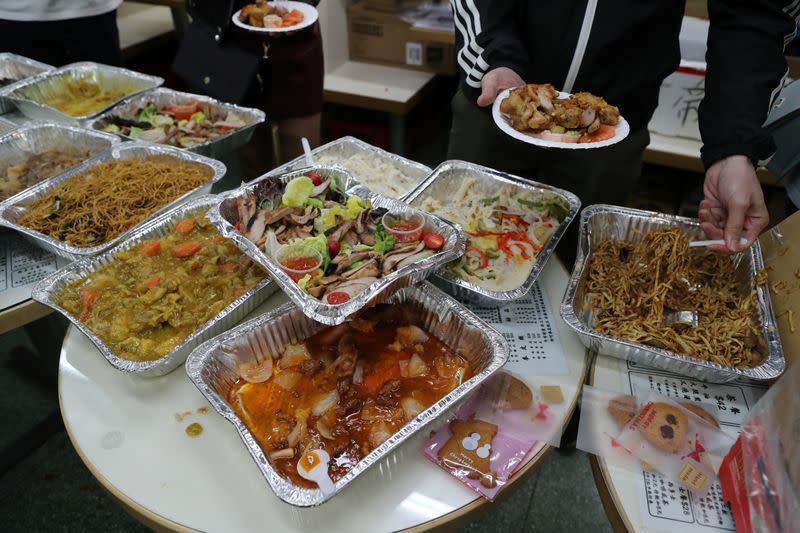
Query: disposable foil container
(31, 95)
(383, 287)
(216, 148)
(445, 180)
(348, 146)
(214, 372)
(48, 290)
(37, 137)
(12, 211)
(15, 67)
(6, 126)
(604, 222)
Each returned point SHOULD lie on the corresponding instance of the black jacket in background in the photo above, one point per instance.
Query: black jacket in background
(632, 46)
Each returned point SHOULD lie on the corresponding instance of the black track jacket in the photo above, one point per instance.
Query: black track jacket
(623, 49)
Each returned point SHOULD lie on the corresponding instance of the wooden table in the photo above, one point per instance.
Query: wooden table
(125, 430)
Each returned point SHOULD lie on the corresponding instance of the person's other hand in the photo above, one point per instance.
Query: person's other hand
(733, 206)
(495, 81)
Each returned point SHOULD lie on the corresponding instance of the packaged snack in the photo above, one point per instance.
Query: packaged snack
(494, 431)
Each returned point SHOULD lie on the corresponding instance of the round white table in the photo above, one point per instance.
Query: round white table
(130, 433)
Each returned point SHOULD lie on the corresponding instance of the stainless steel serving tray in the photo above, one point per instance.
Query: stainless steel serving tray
(336, 314)
(17, 68)
(48, 290)
(37, 137)
(10, 211)
(29, 95)
(604, 222)
(214, 372)
(219, 147)
(442, 184)
(349, 146)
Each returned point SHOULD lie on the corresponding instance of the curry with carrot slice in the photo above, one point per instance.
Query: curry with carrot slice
(151, 297)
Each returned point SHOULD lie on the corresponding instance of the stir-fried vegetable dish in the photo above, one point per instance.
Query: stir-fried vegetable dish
(182, 125)
(506, 228)
(345, 390)
(334, 245)
(151, 297)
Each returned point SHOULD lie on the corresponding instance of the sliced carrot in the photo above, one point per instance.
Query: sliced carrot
(603, 133)
(151, 248)
(229, 267)
(88, 298)
(186, 249)
(185, 226)
(152, 282)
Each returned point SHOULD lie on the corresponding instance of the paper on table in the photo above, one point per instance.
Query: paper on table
(782, 260)
(663, 505)
(528, 325)
(22, 265)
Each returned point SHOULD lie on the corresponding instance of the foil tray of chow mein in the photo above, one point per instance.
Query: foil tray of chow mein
(197, 123)
(100, 203)
(635, 273)
(380, 171)
(218, 367)
(512, 226)
(77, 92)
(37, 151)
(181, 332)
(13, 69)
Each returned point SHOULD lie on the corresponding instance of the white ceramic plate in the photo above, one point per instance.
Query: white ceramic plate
(501, 119)
(309, 12)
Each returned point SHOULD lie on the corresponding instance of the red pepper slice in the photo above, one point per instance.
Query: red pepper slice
(481, 255)
(516, 219)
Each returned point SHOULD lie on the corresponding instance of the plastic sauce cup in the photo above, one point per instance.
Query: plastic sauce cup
(298, 260)
(404, 227)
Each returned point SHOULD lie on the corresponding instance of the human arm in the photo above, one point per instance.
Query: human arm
(745, 70)
(492, 55)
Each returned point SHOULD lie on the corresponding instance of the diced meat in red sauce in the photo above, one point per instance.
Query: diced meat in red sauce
(369, 407)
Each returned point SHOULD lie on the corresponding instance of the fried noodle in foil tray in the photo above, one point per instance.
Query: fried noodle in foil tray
(442, 184)
(331, 314)
(604, 222)
(47, 292)
(15, 67)
(10, 211)
(31, 94)
(214, 371)
(222, 145)
(37, 137)
(346, 147)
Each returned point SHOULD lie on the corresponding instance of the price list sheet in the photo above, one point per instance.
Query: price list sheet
(665, 505)
(22, 265)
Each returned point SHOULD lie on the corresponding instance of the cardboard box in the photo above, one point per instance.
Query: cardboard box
(386, 39)
(679, 101)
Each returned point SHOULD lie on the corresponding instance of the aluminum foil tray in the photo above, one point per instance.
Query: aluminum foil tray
(604, 222)
(30, 95)
(348, 146)
(214, 372)
(6, 126)
(17, 68)
(38, 137)
(47, 292)
(215, 149)
(336, 314)
(10, 211)
(442, 184)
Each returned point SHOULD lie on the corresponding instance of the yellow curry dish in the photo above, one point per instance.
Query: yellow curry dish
(151, 297)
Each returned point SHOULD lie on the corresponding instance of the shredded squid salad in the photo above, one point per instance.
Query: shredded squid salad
(505, 229)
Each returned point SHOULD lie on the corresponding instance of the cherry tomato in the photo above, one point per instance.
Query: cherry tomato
(333, 247)
(433, 241)
(316, 179)
(183, 112)
(338, 297)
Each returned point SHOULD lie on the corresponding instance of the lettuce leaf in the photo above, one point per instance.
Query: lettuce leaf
(383, 241)
(297, 191)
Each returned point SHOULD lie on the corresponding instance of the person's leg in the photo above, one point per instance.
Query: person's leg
(34, 40)
(92, 39)
(291, 130)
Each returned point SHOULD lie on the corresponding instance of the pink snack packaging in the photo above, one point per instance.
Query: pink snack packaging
(492, 434)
